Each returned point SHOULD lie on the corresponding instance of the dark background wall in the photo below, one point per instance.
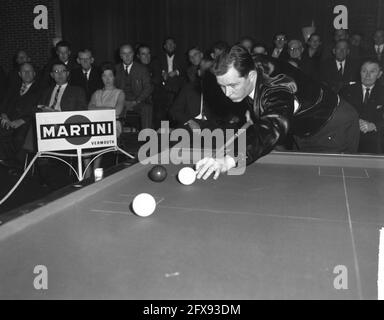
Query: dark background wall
(18, 33)
(104, 24)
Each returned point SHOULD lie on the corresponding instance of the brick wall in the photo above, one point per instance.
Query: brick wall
(18, 33)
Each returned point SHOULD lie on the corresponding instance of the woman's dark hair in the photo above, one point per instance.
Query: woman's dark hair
(108, 66)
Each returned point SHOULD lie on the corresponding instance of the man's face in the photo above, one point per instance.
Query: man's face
(144, 55)
(259, 50)
(369, 73)
(341, 51)
(60, 74)
(170, 46)
(27, 73)
(295, 50)
(85, 59)
(195, 57)
(247, 44)
(379, 37)
(314, 42)
(340, 34)
(280, 41)
(126, 54)
(22, 57)
(235, 87)
(63, 54)
(356, 40)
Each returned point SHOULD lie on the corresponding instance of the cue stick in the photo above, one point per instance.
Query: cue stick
(230, 141)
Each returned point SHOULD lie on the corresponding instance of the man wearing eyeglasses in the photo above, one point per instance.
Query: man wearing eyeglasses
(62, 96)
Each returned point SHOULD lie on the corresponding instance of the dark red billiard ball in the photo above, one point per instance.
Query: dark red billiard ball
(157, 173)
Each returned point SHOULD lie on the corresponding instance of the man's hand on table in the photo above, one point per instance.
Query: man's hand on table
(366, 126)
(207, 166)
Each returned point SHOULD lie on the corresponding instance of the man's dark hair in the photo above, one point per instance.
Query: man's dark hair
(280, 34)
(108, 66)
(59, 63)
(26, 63)
(168, 38)
(195, 48)
(238, 57)
(221, 45)
(63, 43)
(371, 61)
(342, 40)
(314, 35)
(142, 46)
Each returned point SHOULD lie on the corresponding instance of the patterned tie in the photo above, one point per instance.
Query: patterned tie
(366, 96)
(56, 98)
(23, 89)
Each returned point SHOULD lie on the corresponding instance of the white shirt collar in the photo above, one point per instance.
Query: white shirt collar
(365, 87)
(129, 67)
(252, 94)
(381, 47)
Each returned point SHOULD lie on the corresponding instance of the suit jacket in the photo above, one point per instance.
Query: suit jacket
(141, 81)
(77, 78)
(371, 53)
(2, 84)
(21, 107)
(330, 75)
(73, 98)
(373, 111)
(176, 83)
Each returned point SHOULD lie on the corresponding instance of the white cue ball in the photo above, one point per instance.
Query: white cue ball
(144, 205)
(187, 176)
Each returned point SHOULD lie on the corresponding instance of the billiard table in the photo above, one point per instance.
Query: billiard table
(288, 228)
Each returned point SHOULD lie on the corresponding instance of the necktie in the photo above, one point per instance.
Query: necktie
(340, 68)
(86, 73)
(366, 96)
(56, 98)
(378, 53)
(126, 70)
(23, 89)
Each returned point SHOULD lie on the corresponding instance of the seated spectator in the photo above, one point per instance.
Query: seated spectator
(367, 96)
(195, 56)
(63, 55)
(218, 48)
(14, 79)
(247, 43)
(105, 99)
(17, 114)
(279, 50)
(190, 109)
(339, 34)
(144, 56)
(88, 75)
(313, 51)
(62, 96)
(376, 51)
(340, 70)
(356, 48)
(295, 50)
(134, 79)
(259, 48)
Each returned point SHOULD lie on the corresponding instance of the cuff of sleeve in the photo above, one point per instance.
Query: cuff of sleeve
(230, 162)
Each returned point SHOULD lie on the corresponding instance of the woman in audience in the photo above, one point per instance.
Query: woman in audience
(105, 99)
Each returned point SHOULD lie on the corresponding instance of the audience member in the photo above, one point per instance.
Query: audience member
(295, 50)
(247, 43)
(14, 79)
(259, 48)
(218, 48)
(17, 114)
(195, 56)
(340, 70)
(367, 96)
(313, 51)
(356, 47)
(134, 79)
(106, 99)
(88, 75)
(338, 34)
(279, 50)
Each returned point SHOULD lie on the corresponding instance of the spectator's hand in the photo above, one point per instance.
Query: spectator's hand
(207, 166)
(17, 123)
(193, 125)
(366, 126)
(164, 75)
(5, 123)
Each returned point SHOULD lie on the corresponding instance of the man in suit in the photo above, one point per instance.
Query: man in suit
(376, 51)
(279, 50)
(340, 70)
(172, 67)
(63, 55)
(62, 96)
(195, 56)
(17, 114)
(87, 76)
(367, 96)
(295, 50)
(20, 58)
(134, 79)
